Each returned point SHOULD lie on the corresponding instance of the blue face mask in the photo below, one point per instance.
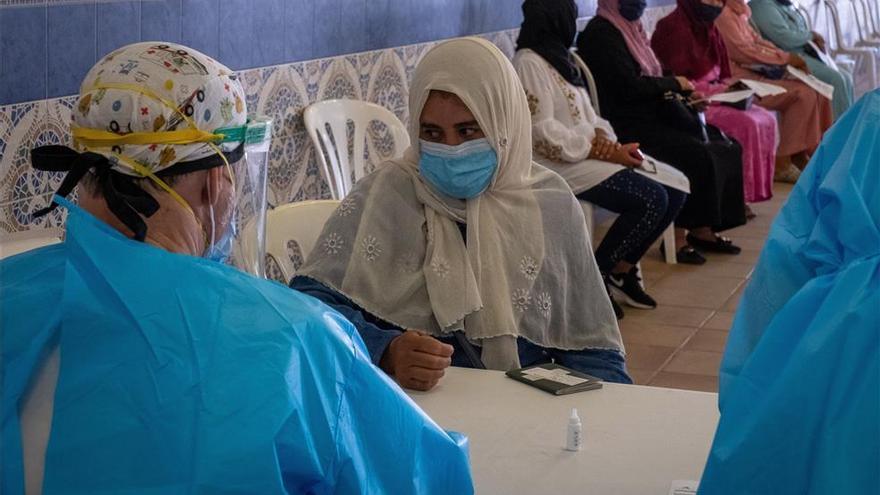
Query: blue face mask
(219, 250)
(632, 10)
(462, 171)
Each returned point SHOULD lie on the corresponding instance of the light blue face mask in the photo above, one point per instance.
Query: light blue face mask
(219, 250)
(462, 171)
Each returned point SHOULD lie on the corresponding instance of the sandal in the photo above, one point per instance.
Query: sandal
(789, 175)
(721, 245)
(750, 214)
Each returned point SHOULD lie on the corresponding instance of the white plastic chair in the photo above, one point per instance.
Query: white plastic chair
(291, 232)
(332, 147)
(865, 57)
(861, 13)
(594, 214)
(19, 242)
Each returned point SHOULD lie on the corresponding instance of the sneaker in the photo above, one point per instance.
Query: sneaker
(618, 311)
(627, 288)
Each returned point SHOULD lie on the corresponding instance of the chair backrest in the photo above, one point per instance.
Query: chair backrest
(291, 233)
(591, 82)
(802, 9)
(332, 146)
(19, 242)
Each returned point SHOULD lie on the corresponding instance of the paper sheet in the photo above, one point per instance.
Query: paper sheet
(824, 57)
(763, 89)
(684, 487)
(732, 96)
(556, 375)
(824, 89)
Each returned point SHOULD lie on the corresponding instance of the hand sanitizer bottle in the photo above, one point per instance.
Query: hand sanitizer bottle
(573, 437)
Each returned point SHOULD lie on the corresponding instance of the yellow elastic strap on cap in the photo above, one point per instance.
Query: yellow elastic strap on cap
(137, 167)
(103, 139)
(146, 92)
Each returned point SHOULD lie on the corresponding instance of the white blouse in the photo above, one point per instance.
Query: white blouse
(563, 123)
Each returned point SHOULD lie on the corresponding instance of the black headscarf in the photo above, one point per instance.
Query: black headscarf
(549, 28)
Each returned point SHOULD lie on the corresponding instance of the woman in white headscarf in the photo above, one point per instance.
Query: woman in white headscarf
(465, 251)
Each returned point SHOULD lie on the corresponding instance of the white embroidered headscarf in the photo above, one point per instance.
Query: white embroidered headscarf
(527, 268)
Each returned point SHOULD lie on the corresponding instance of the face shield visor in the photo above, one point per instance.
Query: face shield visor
(250, 179)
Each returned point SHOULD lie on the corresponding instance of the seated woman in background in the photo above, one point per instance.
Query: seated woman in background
(634, 96)
(804, 113)
(780, 22)
(570, 139)
(688, 43)
(465, 251)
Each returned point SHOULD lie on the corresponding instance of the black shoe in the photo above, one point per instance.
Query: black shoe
(618, 311)
(686, 255)
(719, 245)
(627, 288)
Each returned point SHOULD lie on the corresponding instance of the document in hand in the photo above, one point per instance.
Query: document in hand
(732, 96)
(824, 57)
(810, 80)
(763, 89)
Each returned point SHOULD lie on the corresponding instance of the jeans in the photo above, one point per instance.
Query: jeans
(645, 208)
(605, 364)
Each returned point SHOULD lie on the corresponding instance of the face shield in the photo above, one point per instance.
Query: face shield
(250, 177)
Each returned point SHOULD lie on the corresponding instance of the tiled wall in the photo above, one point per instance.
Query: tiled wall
(280, 91)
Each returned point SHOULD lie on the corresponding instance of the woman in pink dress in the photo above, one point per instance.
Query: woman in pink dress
(688, 44)
(804, 114)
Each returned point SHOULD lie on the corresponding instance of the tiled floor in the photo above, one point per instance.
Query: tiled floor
(679, 345)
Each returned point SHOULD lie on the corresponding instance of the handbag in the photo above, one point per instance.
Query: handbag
(678, 112)
(770, 71)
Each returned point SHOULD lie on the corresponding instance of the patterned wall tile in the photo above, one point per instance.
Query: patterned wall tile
(18, 215)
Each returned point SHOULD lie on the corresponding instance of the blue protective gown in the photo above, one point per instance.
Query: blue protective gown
(800, 378)
(179, 375)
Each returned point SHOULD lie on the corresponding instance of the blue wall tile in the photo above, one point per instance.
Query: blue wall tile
(72, 46)
(200, 26)
(118, 24)
(268, 33)
(252, 33)
(160, 20)
(340, 27)
(22, 54)
(299, 28)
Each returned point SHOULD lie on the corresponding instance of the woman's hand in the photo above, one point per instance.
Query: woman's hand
(684, 84)
(798, 62)
(603, 148)
(819, 41)
(627, 155)
(416, 360)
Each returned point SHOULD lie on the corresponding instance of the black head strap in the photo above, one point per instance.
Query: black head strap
(124, 197)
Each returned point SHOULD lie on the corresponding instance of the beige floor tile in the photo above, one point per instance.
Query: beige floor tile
(640, 376)
(722, 320)
(667, 314)
(695, 363)
(716, 268)
(642, 332)
(733, 302)
(647, 357)
(702, 383)
(707, 340)
(695, 290)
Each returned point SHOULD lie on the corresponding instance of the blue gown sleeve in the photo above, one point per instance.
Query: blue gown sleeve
(776, 28)
(376, 334)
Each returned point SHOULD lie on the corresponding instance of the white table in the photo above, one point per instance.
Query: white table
(637, 439)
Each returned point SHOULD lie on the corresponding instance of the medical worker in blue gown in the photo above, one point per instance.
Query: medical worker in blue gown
(800, 379)
(133, 364)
